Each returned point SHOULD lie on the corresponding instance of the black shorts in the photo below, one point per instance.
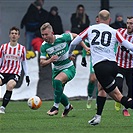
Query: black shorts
(106, 72)
(5, 77)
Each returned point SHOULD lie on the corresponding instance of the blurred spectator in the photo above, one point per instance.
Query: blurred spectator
(79, 22)
(37, 41)
(32, 20)
(55, 20)
(97, 20)
(119, 23)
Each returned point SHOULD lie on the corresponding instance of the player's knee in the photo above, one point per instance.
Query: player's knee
(119, 82)
(57, 84)
(102, 93)
(10, 86)
(126, 102)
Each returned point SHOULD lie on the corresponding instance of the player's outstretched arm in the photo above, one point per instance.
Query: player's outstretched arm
(123, 41)
(73, 44)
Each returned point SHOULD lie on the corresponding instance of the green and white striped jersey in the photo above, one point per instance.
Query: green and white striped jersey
(59, 48)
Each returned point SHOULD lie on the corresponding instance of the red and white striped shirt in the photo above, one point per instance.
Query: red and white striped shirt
(12, 58)
(123, 58)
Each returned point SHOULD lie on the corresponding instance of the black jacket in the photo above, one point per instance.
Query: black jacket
(76, 25)
(56, 23)
(117, 25)
(34, 18)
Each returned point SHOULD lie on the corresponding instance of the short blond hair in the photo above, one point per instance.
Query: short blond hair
(45, 26)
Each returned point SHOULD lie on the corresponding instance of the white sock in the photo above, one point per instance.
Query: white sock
(67, 107)
(56, 105)
(98, 116)
(89, 98)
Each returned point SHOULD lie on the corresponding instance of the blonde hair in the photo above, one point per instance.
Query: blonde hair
(45, 26)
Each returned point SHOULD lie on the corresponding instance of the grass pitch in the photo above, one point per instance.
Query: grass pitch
(19, 118)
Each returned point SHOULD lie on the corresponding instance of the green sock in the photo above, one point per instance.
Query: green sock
(91, 87)
(64, 100)
(58, 90)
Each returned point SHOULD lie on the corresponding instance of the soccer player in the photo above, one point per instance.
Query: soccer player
(56, 46)
(92, 78)
(102, 39)
(125, 64)
(12, 58)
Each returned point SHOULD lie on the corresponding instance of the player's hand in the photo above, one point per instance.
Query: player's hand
(124, 49)
(87, 49)
(72, 57)
(27, 80)
(54, 58)
(83, 62)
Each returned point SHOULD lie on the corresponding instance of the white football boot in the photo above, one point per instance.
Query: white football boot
(95, 120)
(2, 110)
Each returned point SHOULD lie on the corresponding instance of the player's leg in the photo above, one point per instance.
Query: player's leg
(117, 96)
(65, 102)
(2, 109)
(10, 80)
(106, 77)
(101, 99)
(119, 82)
(64, 99)
(107, 80)
(91, 85)
(90, 89)
(58, 91)
(58, 85)
(128, 77)
(7, 96)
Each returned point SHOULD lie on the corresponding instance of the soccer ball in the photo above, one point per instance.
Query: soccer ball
(34, 102)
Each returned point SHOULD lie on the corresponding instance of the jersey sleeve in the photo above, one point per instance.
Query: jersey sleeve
(84, 33)
(77, 40)
(24, 62)
(123, 41)
(43, 51)
(1, 55)
(119, 37)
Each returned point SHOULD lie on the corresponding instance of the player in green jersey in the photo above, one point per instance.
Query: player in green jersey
(92, 78)
(56, 46)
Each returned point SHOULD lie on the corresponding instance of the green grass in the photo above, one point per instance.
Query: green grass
(19, 118)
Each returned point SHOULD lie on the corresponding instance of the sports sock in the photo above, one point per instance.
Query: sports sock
(100, 104)
(126, 103)
(6, 98)
(64, 100)
(58, 90)
(90, 88)
(56, 105)
(67, 107)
